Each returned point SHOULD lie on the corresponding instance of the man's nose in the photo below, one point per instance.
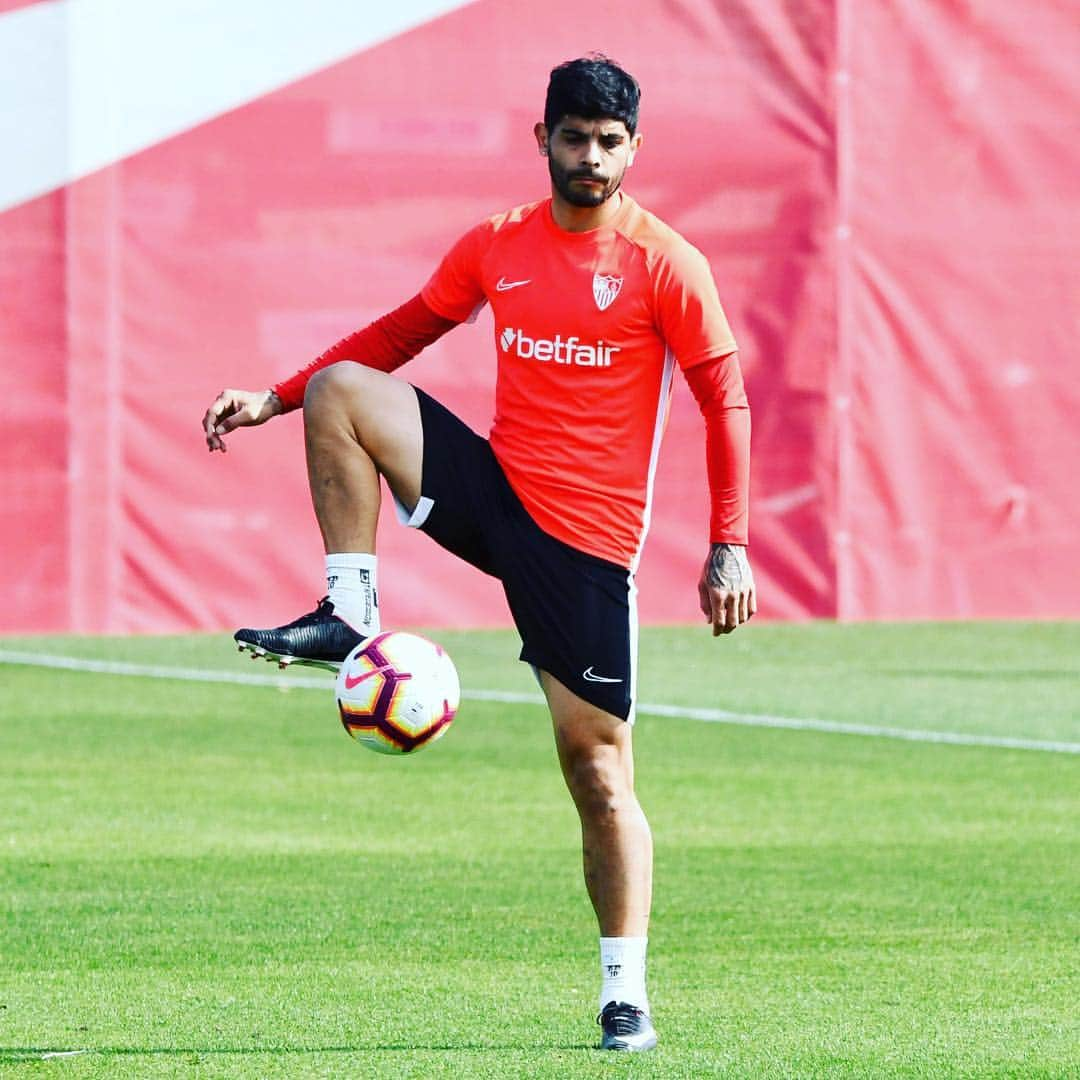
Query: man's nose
(592, 153)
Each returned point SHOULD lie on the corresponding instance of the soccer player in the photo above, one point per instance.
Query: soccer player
(595, 302)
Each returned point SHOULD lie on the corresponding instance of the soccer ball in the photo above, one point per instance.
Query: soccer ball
(397, 692)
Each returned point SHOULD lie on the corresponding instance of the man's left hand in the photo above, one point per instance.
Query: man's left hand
(726, 588)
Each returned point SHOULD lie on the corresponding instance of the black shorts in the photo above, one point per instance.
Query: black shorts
(576, 613)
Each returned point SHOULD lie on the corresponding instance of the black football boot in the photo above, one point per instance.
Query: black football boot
(319, 639)
(625, 1027)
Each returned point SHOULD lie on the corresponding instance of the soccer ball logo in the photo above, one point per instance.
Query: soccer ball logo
(397, 692)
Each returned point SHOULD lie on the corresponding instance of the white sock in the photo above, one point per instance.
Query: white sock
(350, 584)
(622, 968)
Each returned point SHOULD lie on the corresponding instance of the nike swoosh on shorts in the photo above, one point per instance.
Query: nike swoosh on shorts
(590, 676)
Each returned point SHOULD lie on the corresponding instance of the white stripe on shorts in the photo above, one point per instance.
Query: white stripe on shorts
(415, 517)
(631, 600)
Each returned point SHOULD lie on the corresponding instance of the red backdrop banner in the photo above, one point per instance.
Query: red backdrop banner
(886, 194)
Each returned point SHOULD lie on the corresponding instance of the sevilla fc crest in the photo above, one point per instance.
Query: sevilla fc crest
(605, 287)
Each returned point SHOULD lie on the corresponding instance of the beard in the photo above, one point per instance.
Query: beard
(581, 196)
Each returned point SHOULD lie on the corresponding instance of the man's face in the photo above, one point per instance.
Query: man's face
(587, 158)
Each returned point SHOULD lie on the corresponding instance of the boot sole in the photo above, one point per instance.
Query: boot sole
(284, 660)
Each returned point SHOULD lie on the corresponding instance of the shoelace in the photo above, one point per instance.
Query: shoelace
(319, 610)
(622, 1018)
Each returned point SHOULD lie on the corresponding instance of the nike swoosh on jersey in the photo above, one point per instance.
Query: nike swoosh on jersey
(355, 680)
(590, 676)
(502, 285)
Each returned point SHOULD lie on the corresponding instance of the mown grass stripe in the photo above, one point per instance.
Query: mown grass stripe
(680, 712)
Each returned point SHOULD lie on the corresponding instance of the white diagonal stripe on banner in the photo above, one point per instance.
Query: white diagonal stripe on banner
(86, 83)
(681, 712)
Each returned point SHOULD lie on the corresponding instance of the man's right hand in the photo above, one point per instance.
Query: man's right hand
(238, 408)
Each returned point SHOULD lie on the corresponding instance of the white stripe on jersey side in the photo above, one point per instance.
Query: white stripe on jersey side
(662, 406)
(91, 82)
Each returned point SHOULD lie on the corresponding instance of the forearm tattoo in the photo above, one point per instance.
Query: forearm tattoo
(729, 568)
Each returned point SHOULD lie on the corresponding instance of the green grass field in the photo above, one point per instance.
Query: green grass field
(205, 879)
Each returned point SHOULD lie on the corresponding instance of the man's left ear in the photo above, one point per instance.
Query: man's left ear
(635, 146)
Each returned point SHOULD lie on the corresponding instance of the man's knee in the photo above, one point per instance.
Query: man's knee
(599, 782)
(348, 404)
(597, 763)
(335, 383)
